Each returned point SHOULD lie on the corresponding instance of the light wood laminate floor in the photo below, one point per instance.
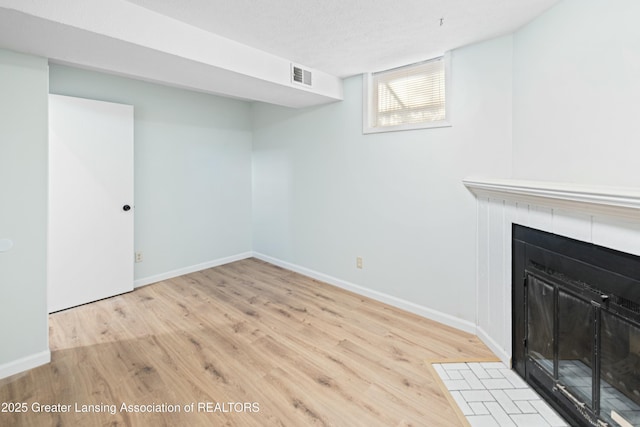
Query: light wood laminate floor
(299, 351)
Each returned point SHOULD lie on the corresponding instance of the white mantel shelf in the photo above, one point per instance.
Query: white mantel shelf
(618, 201)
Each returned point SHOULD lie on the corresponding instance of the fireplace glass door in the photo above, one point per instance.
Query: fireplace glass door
(540, 323)
(620, 370)
(586, 353)
(576, 327)
(575, 346)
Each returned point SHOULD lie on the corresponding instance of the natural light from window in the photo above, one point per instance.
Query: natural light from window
(408, 97)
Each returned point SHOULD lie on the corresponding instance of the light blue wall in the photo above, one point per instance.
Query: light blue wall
(324, 194)
(192, 168)
(576, 94)
(23, 211)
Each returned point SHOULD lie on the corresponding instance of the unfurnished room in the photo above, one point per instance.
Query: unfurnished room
(333, 213)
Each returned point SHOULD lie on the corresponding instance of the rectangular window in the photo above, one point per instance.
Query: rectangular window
(410, 97)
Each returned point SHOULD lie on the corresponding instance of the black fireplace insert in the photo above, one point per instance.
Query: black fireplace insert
(576, 326)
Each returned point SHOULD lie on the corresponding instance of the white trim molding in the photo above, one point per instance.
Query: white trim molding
(503, 355)
(624, 201)
(25, 363)
(409, 306)
(190, 269)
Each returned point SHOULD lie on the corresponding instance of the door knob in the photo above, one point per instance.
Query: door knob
(126, 208)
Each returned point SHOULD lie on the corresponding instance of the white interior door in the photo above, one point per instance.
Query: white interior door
(90, 254)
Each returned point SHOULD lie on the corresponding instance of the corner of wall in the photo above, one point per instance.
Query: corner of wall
(25, 363)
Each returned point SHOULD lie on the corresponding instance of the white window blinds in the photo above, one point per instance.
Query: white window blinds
(409, 95)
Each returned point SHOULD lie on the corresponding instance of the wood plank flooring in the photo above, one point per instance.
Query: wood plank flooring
(268, 346)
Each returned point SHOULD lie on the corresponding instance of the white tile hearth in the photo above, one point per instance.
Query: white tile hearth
(490, 394)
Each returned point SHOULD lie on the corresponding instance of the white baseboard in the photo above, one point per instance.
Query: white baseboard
(190, 269)
(503, 355)
(25, 363)
(411, 307)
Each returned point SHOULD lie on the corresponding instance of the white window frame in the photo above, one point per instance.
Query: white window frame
(368, 108)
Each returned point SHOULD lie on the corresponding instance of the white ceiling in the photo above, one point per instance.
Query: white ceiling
(245, 48)
(347, 37)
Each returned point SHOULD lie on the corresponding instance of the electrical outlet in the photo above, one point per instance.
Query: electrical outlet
(359, 262)
(138, 256)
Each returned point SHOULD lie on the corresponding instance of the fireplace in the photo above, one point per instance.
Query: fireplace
(576, 326)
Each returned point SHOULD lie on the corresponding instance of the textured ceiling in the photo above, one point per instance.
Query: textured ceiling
(346, 37)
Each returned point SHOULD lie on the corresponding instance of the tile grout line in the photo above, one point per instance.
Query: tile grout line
(443, 387)
(508, 415)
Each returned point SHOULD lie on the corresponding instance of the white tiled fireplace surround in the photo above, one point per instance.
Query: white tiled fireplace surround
(606, 216)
